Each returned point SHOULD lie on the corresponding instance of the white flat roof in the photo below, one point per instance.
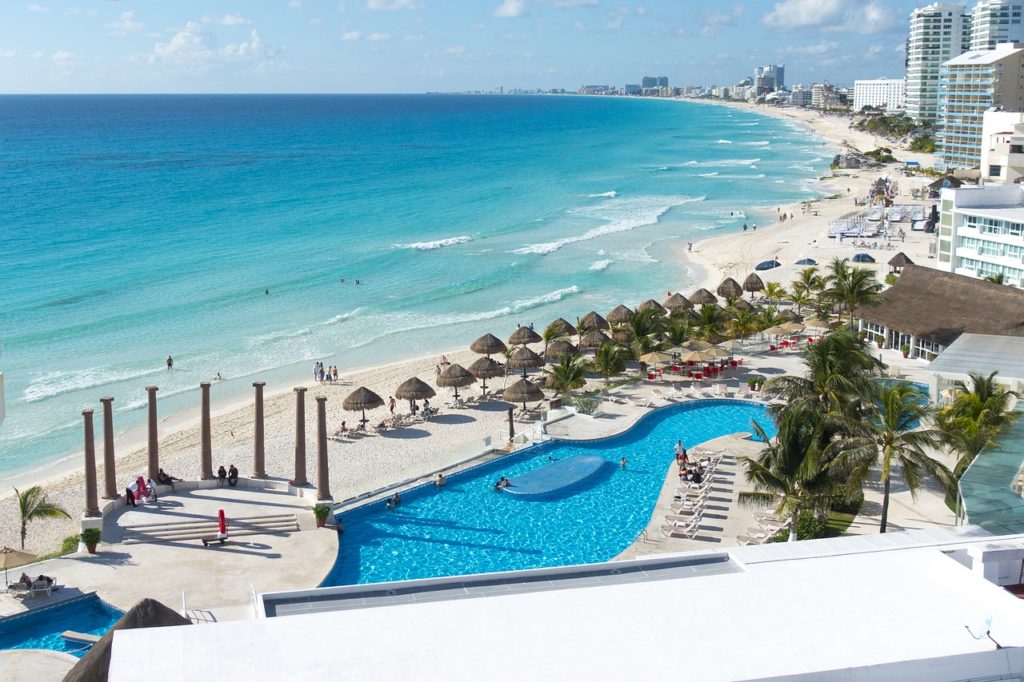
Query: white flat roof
(785, 617)
(983, 353)
(1013, 214)
(1001, 51)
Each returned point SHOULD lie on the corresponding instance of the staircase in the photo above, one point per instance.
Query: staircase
(179, 531)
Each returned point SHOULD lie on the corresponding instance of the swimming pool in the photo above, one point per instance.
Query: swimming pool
(41, 628)
(466, 527)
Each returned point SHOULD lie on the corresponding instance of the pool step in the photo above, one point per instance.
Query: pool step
(80, 637)
(197, 530)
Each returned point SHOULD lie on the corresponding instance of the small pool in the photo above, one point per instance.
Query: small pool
(466, 527)
(41, 628)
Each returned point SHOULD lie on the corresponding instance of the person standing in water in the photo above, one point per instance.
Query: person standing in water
(170, 362)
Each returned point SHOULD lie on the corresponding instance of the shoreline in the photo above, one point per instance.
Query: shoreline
(232, 422)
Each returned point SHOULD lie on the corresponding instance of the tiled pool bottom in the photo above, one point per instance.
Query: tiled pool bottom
(41, 628)
(468, 528)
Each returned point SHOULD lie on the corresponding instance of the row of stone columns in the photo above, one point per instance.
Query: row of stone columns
(206, 447)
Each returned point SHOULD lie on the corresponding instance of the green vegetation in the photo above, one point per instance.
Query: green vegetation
(34, 505)
(91, 536)
(976, 416)
(890, 126)
(568, 374)
(924, 143)
(881, 155)
(68, 545)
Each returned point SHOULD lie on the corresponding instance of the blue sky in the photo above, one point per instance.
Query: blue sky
(436, 45)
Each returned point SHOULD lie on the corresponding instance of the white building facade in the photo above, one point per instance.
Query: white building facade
(970, 85)
(1002, 150)
(996, 21)
(883, 93)
(981, 232)
(938, 32)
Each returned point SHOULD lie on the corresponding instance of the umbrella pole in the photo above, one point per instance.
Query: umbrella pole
(364, 416)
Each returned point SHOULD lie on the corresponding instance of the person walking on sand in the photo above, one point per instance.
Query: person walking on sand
(334, 372)
(391, 404)
(170, 362)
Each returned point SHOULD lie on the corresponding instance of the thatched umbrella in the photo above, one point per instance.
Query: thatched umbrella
(593, 339)
(786, 315)
(677, 300)
(743, 304)
(592, 321)
(148, 613)
(414, 389)
(729, 287)
(561, 327)
(777, 330)
(732, 345)
(651, 304)
(488, 344)
(558, 348)
(523, 392)
(486, 368)
(362, 399)
(792, 327)
(524, 359)
(899, 261)
(753, 283)
(456, 376)
(702, 297)
(655, 358)
(696, 356)
(523, 336)
(697, 344)
(620, 315)
(623, 335)
(817, 323)
(11, 558)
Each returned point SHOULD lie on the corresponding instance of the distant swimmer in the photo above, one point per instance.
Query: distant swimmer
(218, 377)
(357, 281)
(266, 292)
(170, 362)
(342, 280)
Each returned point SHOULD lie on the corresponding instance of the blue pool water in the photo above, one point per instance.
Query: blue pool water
(466, 527)
(41, 629)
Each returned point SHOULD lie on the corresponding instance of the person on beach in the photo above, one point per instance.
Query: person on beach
(266, 292)
(334, 372)
(222, 476)
(754, 227)
(218, 377)
(744, 227)
(163, 478)
(170, 362)
(391, 405)
(129, 497)
(151, 490)
(316, 370)
(232, 475)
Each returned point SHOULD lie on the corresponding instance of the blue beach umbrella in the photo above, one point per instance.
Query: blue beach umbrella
(863, 258)
(768, 265)
(807, 261)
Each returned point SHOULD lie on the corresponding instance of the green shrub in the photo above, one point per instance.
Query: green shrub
(586, 404)
(891, 278)
(925, 144)
(91, 536)
(808, 527)
(69, 545)
(850, 505)
(321, 511)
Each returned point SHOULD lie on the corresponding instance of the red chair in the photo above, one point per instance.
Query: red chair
(689, 373)
(771, 348)
(650, 375)
(733, 363)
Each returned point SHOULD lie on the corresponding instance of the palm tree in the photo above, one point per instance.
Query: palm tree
(774, 291)
(800, 298)
(892, 437)
(568, 374)
(768, 317)
(975, 417)
(646, 327)
(745, 322)
(851, 287)
(711, 322)
(998, 278)
(678, 331)
(551, 332)
(609, 360)
(792, 470)
(33, 504)
(809, 281)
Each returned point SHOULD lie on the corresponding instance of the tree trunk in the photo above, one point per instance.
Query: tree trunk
(24, 532)
(885, 506)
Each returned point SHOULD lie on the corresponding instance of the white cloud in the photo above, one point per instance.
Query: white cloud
(233, 20)
(254, 48)
(575, 3)
(393, 5)
(8, 54)
(716, 19)
(38, 9)
(125, 24)
(509, 9)
(379, 36)
(194, 48)
(294, 4)
(821, 47)
(352, 35)
(852, 16)
(64, 57)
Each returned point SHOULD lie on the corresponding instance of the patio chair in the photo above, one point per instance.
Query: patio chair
(747, 539)
(43, 586)
(664, 395)
(682, 529)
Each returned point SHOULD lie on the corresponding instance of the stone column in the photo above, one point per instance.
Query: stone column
(154, 451)
(300, 438)
(323, 484)
(92, 506)
(206, 447)
(258, 452)
(109, 472)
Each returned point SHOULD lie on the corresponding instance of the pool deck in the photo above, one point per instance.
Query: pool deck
(216, 581)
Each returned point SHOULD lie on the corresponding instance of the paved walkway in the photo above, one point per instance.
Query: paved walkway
(218, 578)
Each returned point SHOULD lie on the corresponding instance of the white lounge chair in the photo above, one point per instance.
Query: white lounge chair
(682, 529)
(43, 587)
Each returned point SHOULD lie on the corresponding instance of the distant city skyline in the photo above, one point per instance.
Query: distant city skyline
(407, 46)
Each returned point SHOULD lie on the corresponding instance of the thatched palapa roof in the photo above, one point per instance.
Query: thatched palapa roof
(729, 287)
(592, 321)
(702, 297)
(677, 300)
(523, 336)
(940, 306)
(620, 315)
(488, 344)
(651, 304)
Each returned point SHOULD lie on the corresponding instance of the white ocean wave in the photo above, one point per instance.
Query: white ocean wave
(757, 143)
(599, 265)
(438, 244)
(712, 174)
(622, 216)
(727, 163)
(59, 383)
(692, 163)
(725, 142)
(611, 195)
(748, 125)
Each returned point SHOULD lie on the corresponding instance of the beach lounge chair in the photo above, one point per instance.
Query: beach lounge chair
(43, 586)
(751, 539)
(664, 395)
(682, 529)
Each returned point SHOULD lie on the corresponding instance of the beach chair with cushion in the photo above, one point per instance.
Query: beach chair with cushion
(43, 586)
(682, 529)
(751, 539)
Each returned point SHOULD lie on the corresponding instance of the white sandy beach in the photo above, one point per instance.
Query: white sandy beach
(375, 461)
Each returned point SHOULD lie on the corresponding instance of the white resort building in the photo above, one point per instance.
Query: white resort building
(981, 232)
(970, 85)
(883, 93)
(938, 32)
(1002, 154)
(996, 21)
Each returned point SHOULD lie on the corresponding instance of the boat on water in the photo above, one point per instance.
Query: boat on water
(875, 213)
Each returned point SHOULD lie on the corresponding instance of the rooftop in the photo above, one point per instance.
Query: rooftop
(941, 306)
(986, 487)
(982, 57)
(982, 353)
(896, 602)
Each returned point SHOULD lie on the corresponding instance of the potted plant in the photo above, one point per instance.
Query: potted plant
(321, 511)
(905, 349)
(91, 538)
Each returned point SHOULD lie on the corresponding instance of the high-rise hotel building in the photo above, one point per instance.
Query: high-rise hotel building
(938, 33)
(996, 21)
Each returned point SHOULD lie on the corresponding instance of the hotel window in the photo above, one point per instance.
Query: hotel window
(994, 171)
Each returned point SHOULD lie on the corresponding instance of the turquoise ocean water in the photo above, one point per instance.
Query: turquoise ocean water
(137, 227)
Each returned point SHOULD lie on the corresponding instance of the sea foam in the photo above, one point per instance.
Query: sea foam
(438, 244)
(599, 265)
(611, 195)
(59, 383)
